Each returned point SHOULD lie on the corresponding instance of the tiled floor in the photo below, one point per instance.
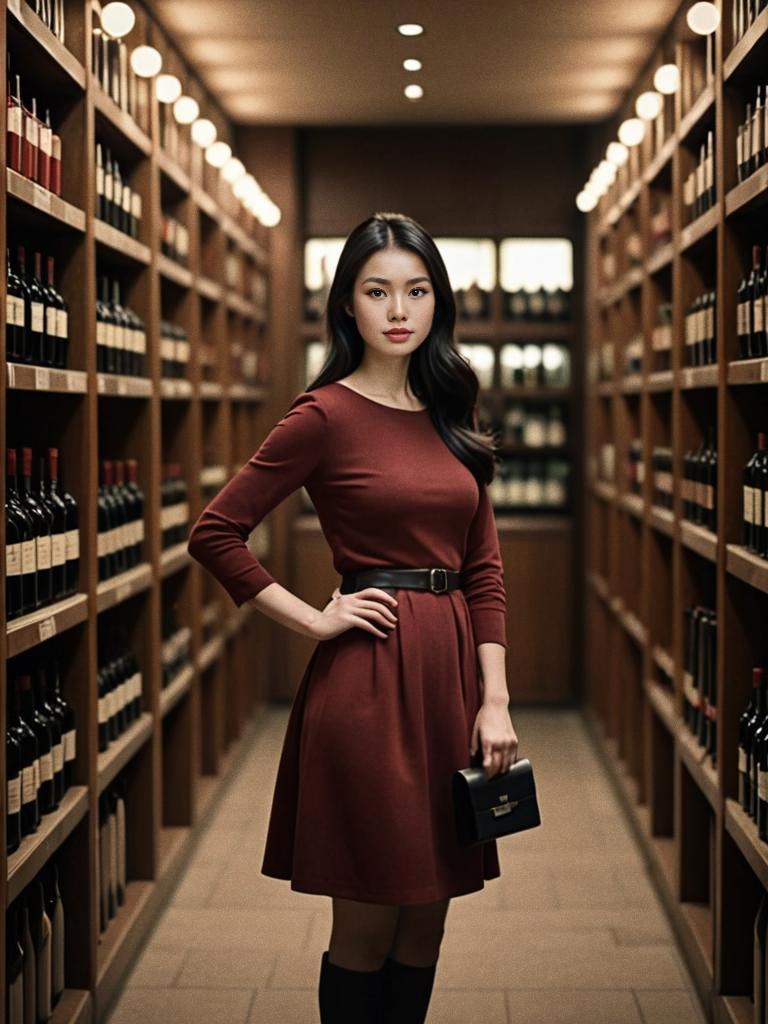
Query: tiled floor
(572, 932)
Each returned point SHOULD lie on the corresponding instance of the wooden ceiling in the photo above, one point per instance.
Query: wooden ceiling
(484, 61)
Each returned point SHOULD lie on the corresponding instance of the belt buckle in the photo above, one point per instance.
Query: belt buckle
(432, 586)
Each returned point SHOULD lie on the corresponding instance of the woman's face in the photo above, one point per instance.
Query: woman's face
(393, 290)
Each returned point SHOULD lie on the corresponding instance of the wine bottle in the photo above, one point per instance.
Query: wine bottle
(40, 926)
(742, 317)
(760, 496)
(41, 524)
(59, 320)
(69, 734)
(744, 779)
(30, 767)
(72, 523)
(14, 126)
(15, 329)
(108, 189)
(751, 512)
(759, 956)
(13, 767)
(122, 332)
(752, 729)
(31, 152)
(30, 981)
(14, 968)
(710, 482)
(105, 526)
(50, 718)
(137, 533)
(46, 151)
(14, 537)
(33, 717)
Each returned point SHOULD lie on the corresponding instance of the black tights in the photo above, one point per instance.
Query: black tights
(364, 934)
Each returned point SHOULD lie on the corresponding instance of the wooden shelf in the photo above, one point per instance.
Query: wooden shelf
(747, 47)
(173, 271)
(49, 208)
(172, 387)
(120, 243)
(171, 694)
(699, 539)
(751, 568)
(124, 123)
(661, 259)
(699, 764)
(36, 848)
(662, 519)
(24, 377)
(120, 751)
(748, 371)
(119, 588)
(120, 386)
(702, 108)
(743, 830)
(27, 631)
(662, 380)
(699, 376)
(694, 233)
(59, 59)
(633, 504)
(174, 558)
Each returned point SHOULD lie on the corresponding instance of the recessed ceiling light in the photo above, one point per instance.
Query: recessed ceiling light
(411, 64)
(410, 29)
(413, 91)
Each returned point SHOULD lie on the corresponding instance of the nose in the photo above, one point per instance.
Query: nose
(396, 310)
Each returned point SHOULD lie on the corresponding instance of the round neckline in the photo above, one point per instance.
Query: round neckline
(394, 408)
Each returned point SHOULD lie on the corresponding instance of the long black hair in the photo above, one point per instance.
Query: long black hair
(438, 374)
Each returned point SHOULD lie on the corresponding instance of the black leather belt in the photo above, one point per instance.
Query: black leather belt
(437, 580)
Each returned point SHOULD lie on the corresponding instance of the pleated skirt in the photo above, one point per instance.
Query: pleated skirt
(362, 806)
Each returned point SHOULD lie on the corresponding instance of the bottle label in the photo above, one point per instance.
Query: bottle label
(99, 180)
(50, 321)
(141, 341)
(109, 701)
(749, 516)
(740, 319)
(101, 333)
(13, 119)
(62, 324)
(15, 310)
(36, 766)
(758, 313)
(126, 199)
(58, 548)
(108, 192)
(28, 557)
(102, 544)
(762, 784)
(14, 795)
(136, 205)
(139, 530)
(46, 767)
(756, 132)
(28, 785)
(13, 559)
(70, 744)
(109, 329)
(37, 317)
(44, 552)
(58, 757)
(32, 126)
(103, 712)
(73, 545)
(742, 760)
(46, 139)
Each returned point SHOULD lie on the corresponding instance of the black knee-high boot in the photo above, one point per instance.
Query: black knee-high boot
(347, 996)
(406, 992)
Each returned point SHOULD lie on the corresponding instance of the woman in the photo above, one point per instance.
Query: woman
(408, 678)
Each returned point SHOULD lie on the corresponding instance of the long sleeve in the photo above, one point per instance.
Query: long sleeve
(482, 576)
(286, 459)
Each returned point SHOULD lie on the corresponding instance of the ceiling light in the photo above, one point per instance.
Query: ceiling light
(667, 79)
(411, 29)
(606, 171)
(631, 131)
(413, 91)
(411, 64)
(270, 215)
(203, 132)
(617, 153)
(117, 19)
(703, 18)
(232, 170)
(586, 201)
(243, 185)
(595, 188)
(217, 154)
(648, 105)
(186, 109)
(146, 61)
(167, 88)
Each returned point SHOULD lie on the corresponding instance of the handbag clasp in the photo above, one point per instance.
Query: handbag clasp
(504, 808)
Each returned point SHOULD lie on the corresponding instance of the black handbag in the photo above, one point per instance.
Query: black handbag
(488, 808)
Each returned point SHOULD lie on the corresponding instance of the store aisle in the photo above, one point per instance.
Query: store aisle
(571, 932)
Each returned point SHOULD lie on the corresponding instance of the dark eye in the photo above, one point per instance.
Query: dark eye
(418, 288)
(372, 290)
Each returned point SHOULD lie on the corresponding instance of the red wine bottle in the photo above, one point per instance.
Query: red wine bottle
(29, 600)
(41, 524)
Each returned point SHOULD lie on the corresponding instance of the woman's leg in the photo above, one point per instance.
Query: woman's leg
(362, 933)
(409, 970)
(419, 932)
(351, 975)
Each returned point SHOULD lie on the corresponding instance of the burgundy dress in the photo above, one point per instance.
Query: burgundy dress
(362, 802)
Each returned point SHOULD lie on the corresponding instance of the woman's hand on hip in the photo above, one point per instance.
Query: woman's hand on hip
(368, 609)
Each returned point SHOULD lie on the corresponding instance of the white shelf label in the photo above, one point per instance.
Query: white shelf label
(42, 197)
(47, 628)
(122, 592)
(764, 370)
(42, 378)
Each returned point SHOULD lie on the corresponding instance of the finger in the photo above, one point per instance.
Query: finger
(357, 620)
(376, 592)
(377, 607)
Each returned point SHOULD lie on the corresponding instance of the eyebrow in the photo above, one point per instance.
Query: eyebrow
(383, 280)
